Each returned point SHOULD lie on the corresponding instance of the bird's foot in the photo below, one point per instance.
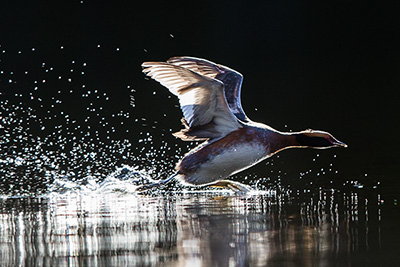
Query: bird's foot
(237, 187)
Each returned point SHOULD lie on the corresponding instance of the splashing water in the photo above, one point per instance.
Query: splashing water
(124, 180)
(65, 129)
(64, 126)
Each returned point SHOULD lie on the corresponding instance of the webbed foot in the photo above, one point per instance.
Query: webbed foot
(237, 187)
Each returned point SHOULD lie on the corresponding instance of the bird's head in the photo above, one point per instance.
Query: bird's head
(318, 139)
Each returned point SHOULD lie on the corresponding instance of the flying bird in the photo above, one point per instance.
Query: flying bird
(209, 97)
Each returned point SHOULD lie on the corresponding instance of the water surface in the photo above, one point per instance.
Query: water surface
(205, 228)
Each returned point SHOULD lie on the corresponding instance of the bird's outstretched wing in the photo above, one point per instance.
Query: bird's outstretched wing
(206, 113)
(231, 79)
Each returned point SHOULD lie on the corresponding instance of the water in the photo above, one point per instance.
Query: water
(204, 228)
(79, 134)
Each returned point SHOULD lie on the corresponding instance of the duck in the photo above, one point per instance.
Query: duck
(210, 99)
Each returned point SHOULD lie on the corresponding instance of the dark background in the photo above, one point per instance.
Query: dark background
(331, 66)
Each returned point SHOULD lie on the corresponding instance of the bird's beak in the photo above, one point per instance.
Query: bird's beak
(340, 144)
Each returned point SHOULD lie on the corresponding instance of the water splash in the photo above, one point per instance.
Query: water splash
(64, 126)
(59, 125)
(124, 180)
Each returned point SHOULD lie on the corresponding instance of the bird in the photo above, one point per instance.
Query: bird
(210, 99)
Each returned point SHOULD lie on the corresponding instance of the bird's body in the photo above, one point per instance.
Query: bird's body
(217, 160)
(209, 96)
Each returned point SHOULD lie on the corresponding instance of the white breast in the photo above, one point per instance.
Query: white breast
(230, 161)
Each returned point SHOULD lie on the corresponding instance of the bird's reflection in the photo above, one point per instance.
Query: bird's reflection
(189, 228)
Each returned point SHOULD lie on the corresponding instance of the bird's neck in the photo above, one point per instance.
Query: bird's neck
(283, 141)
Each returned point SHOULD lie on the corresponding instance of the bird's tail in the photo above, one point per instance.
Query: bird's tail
(158, 183)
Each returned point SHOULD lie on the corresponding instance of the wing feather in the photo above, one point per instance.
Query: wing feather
(232, 80)
(201, 98)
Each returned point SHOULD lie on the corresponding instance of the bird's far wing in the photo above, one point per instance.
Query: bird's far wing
(201, 98)
(231, 79)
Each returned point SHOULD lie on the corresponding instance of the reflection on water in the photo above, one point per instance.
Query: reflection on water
(208, 229)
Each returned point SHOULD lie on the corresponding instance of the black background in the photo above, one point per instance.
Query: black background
(330, 66)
